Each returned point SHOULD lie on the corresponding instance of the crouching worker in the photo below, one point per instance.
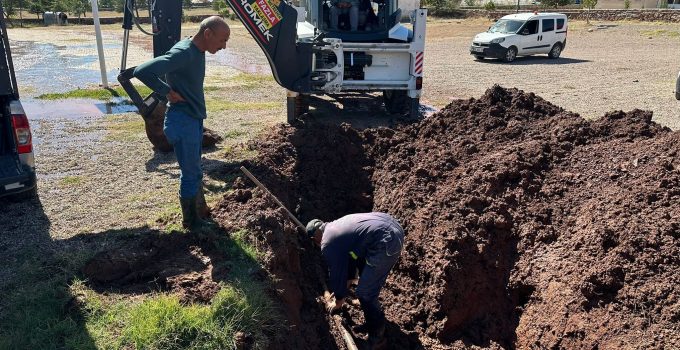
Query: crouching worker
(375, 237)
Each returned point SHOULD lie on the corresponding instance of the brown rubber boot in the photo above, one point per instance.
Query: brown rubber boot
(201, 206)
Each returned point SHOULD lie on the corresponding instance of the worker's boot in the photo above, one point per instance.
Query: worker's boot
(190, 218)
(376, 336)
(201, 206)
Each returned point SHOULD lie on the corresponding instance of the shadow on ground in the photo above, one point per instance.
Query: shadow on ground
(39, 309)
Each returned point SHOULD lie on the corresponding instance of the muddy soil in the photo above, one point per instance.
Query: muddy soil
(527, 225)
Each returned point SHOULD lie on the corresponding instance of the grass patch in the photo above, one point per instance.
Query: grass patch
(38, 313)
(125, 130)
(94, 93)
(170, 217)
(661, 33)
(251, 80)
(49, 307)
(68, 181)
(215, 105)
(232, 134)
(161, 321)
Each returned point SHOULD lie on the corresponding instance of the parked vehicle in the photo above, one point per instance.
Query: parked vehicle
(17, 164)
(522, 34)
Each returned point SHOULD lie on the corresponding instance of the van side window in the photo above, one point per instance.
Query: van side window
(532, 26)
(560, 23)
(548, 25)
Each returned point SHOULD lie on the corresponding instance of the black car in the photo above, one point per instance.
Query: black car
(17, 164)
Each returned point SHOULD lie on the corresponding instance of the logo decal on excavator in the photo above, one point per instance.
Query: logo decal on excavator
(269, 12)
(257, 14)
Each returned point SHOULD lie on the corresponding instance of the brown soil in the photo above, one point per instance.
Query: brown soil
(527, 226)
(160, 262)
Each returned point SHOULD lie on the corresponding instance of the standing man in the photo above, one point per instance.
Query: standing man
(339, 7)
(376, 238)
(179, 75)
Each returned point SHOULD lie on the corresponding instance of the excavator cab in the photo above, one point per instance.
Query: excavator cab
(375, 18)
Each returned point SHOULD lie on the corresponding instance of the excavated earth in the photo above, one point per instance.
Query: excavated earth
(527, 226)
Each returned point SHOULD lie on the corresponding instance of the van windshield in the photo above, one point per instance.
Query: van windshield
(506, 26)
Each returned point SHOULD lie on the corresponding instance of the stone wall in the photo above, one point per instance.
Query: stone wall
(596, 14)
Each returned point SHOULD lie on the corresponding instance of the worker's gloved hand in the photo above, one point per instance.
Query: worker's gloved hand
(334, 306)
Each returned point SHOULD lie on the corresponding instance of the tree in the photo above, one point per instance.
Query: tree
(35, 7)
(556, 3)
(60, 6)
(119, 5)
(106, 4)
(78, 7)
(222, 8)
(589, 4)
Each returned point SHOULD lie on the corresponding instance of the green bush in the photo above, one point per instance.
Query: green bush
(470, 3)
(490, 6)
(626, 4)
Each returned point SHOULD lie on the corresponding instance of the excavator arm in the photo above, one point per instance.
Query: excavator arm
(272, 23)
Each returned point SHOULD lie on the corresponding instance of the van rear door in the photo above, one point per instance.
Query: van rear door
(561, 30)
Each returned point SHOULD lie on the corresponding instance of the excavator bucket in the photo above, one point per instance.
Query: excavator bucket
(272, 23)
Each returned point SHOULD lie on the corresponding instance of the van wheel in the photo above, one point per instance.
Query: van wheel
(555, 51)
(510, 55)
(479, 58)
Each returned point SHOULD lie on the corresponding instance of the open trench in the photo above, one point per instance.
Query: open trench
(526, 225)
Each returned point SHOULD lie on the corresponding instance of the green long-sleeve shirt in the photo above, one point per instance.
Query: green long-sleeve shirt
(183, 67)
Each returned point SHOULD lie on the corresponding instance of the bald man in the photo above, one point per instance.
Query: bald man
(179, 76)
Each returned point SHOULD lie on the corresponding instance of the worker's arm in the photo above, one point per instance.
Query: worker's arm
(336, 260)
(151, 72)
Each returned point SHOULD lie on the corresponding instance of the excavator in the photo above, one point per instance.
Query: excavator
(307, 54)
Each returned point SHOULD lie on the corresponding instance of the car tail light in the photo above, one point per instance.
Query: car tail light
(419, 83)
(22, 131)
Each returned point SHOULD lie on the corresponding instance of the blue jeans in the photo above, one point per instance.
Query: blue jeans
(185, 134)
(379, 261)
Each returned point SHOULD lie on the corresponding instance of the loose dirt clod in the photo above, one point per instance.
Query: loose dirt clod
(527, 226)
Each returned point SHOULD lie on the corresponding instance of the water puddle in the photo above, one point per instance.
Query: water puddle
(47, 68)
(73, 109)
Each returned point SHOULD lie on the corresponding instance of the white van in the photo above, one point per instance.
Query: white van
(522, 34)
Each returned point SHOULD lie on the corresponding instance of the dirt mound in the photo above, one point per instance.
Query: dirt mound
(526, 224)
(527, 227)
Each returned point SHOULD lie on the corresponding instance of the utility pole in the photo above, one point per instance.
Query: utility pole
(100, 45)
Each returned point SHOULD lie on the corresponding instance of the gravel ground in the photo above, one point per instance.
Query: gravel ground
(605, 66)
(99, 173)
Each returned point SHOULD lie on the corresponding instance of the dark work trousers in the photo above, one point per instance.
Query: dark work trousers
(379, 261)
(185, 134)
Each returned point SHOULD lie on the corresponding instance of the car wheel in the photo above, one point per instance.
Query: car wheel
(479, 58)
(555, 51)
(510, 55)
